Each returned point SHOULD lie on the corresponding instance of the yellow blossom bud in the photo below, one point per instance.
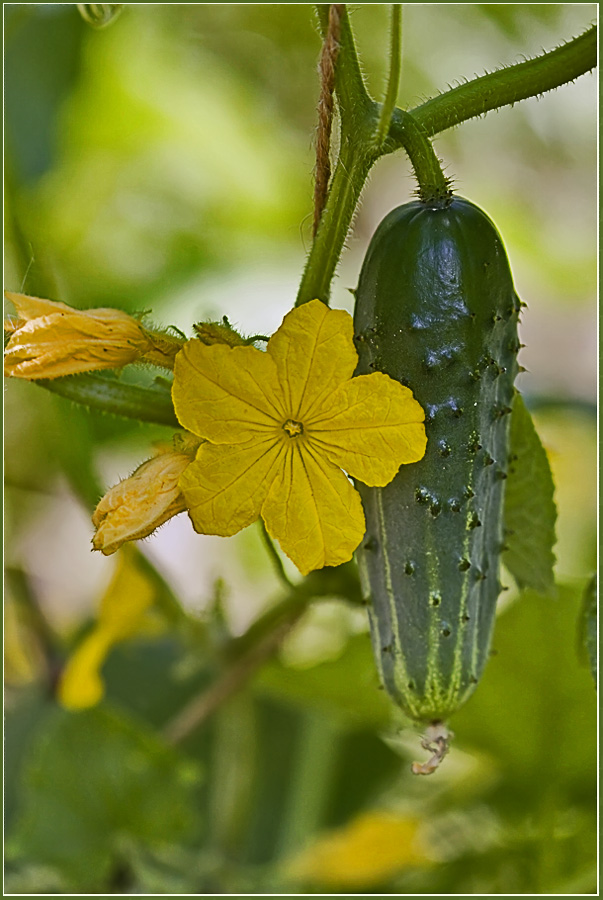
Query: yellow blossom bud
(50, 339)
(135, 507)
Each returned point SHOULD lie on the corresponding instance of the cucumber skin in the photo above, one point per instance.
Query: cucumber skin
(436, 309)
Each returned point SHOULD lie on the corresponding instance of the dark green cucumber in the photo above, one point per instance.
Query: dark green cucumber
(436, 309)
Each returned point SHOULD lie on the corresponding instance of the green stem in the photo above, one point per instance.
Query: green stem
(393, 81)
(232, 772)
(275, 558)
(434, 187)
(243, 655)
(411, 131)
(351, 90)
(344, 193)
(507, 86)
(99, 392)
(313, 771)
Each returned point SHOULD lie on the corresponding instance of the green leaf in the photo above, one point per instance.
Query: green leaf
(588, 624)
(530, 513)
(21, 724)
(534, 712)
(97, 783)
(347, 688)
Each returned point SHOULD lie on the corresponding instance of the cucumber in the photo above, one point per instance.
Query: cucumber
(436, 309)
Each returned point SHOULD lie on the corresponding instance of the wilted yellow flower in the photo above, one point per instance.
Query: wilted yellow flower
(122, 611)
(281, 425)
(50, 339)
(369, 850)
(135, 507)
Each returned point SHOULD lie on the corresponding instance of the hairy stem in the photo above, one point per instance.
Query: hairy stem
(434, 187)
(507, 86)
(349, 83)
(360, 116)
(132, 401)
(346, 186)
(393, 81)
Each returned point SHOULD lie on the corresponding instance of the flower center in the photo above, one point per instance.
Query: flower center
(293, 428)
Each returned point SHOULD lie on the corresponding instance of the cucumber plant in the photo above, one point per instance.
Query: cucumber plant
(436, 309)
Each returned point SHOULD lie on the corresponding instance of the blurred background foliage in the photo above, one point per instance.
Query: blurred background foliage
(164, 163)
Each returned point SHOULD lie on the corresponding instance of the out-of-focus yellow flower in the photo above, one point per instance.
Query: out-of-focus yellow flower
(50, 339)
(22, 657)
(122, 611)
(368, 851)
(282, 424)
(135, 507)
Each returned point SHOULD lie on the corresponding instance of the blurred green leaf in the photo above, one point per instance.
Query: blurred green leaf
(155, 678)
(530, 512)
(310, 774)
(534, 711)
(99, 15)
(42, 65)
(21, 725)
(588, 624)
(95, 782)
(366, 767)
(32, 879)
(75, 454)
(347, 688)
(172, 870)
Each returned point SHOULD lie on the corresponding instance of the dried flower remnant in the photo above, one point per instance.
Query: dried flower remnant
(280, 426)
(135, 507)
(50, 339)
(437, 742)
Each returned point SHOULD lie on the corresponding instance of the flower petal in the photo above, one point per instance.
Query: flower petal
(370, 427)
(314, 353)
(66, 343)
(35, 307)
(227, 395)
(135, 507)
(81, 685)
(313, 511)
(225, 486)
(123, 608)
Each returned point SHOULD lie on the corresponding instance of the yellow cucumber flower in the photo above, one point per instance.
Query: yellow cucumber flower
(123, 609)
(281, 425)
(135, 507)
(50, 339)
(366, 852)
